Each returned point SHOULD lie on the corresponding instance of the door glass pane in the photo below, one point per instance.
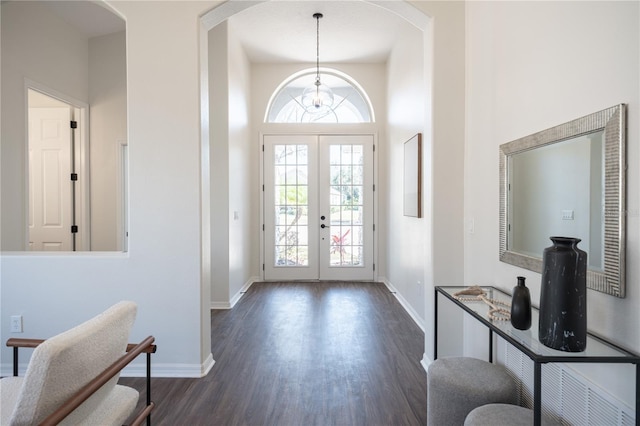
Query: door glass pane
(291, 205)
(346, 205)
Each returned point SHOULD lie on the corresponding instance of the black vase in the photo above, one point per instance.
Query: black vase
(521, 306)
(563, 296)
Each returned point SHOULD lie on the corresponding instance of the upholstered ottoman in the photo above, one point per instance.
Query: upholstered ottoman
(504, 414)
(455, 386)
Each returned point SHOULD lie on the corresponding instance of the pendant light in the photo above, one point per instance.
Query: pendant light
(317, 98)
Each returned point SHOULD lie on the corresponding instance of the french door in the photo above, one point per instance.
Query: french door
(318, 207)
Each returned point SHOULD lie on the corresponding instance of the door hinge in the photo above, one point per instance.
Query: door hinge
(263, 226)
(262, 148)
(263, 266)
(374, 266)
(74, 177)
(374, 187)
(74, 124)
(262, 188)
(374, 148)
(374, 227)
(74, 229)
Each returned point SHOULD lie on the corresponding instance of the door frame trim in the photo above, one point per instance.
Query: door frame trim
(338, 131)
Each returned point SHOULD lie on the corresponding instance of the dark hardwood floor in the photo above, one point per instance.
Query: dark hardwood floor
(303, 354)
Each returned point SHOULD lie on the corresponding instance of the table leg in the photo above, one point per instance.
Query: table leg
(435, 326)
(490, 345)
(537, 394)
(637, 394)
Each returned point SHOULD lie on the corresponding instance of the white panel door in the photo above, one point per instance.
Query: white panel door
(318, 208)
(49, 179)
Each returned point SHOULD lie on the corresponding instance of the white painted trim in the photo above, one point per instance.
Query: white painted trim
(139, 369)
(170, 370)
(407, 307)
(220, 305)
(236, 297)
(425, 362)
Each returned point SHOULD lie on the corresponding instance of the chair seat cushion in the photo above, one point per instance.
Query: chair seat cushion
(114, 410)
(9, 390)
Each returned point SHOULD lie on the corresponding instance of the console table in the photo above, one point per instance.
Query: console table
(598, 349)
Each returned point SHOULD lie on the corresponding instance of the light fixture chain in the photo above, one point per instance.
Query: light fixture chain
(318, 16)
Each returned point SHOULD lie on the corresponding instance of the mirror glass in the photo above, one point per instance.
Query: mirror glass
(541, 207)
(567, 181)
(64, 127)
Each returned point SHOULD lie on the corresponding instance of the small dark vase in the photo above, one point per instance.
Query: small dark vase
(521, 306)
(563, 296)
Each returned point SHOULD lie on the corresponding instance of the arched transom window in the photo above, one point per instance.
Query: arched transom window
(351, 104)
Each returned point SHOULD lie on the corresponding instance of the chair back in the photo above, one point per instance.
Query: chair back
(61, 365)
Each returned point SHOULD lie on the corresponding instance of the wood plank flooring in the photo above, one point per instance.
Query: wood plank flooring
(303, 354)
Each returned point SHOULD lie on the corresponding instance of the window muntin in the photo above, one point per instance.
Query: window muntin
(350, 103)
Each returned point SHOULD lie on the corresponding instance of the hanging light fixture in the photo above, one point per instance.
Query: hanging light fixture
(317, 98)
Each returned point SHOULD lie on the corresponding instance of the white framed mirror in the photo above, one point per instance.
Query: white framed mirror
(568, 180)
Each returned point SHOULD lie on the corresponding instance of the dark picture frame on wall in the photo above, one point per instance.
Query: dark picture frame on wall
(412, 184)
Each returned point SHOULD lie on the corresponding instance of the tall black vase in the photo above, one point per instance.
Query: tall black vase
(521, 306)
(563, 296)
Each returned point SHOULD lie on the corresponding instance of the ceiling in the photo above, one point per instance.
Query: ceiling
(285, 31)
(88, 17)
(280, 30)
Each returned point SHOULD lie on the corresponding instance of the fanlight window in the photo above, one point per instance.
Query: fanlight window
(351, 104)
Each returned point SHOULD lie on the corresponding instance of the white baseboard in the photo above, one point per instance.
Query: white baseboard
(425, 362)
(139, 369)
(407, 307)
(170, 370)
(236, 297)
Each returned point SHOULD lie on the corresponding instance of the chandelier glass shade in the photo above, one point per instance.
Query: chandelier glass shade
(318, 98)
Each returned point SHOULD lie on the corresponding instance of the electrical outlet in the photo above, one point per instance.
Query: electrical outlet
(16, 323)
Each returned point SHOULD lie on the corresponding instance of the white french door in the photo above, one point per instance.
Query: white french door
(318, 207)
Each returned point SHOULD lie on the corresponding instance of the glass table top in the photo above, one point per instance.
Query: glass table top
(597, 350)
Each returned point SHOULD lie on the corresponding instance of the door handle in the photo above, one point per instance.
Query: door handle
(323, 226)
(322, 217)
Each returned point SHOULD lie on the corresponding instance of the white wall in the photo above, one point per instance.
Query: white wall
(444, 153)
(162, 270)
(232, 175)
(219, 161)
(40, 47)
(242, 174)
(108, 124)
(406, 241)
(531, 66)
